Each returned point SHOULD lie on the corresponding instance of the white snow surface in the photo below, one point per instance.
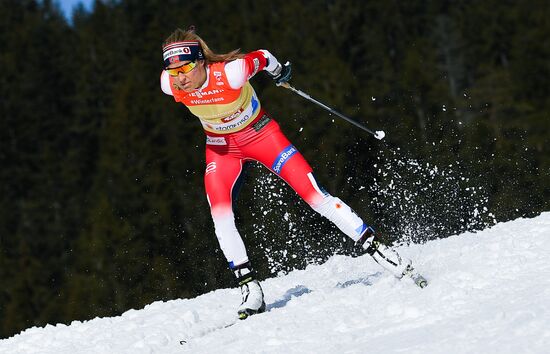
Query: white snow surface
(489, 292)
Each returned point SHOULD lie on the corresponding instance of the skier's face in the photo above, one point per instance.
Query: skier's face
(190, 76)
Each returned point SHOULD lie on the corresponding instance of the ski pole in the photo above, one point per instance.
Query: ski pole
(379, 134)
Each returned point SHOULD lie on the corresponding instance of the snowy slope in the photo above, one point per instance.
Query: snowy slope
(489, 293)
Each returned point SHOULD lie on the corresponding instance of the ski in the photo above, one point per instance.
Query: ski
(210, 330)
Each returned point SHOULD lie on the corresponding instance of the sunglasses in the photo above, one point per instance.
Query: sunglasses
(184, 69)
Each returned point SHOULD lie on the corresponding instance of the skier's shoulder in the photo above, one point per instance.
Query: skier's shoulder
(240, 70)
(234, 71)
(165, 83)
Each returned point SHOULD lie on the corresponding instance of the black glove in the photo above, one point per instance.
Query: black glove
(282, 73)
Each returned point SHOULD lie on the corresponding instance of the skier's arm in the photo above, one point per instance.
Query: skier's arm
(239, 71)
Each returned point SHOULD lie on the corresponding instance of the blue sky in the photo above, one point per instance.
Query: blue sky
(67, 5)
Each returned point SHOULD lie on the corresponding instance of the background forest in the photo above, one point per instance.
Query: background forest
(102, 204)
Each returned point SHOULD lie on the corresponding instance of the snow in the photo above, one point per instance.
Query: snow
(489, 292)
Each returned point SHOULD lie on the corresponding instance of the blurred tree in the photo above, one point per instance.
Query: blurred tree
(37, 177)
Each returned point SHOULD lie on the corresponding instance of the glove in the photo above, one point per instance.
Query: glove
(282, 73)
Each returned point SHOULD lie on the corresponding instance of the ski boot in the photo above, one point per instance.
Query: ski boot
(251, 291)
(389, 259)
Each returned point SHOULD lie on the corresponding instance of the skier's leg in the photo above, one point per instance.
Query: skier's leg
(221, 175)
(221, 178)
(277, 153)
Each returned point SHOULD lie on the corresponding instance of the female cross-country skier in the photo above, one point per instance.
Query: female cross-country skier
(216, 88)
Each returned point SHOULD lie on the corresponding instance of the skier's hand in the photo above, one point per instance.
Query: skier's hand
(282, 73)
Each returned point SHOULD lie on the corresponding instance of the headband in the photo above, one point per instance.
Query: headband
(181, 51)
